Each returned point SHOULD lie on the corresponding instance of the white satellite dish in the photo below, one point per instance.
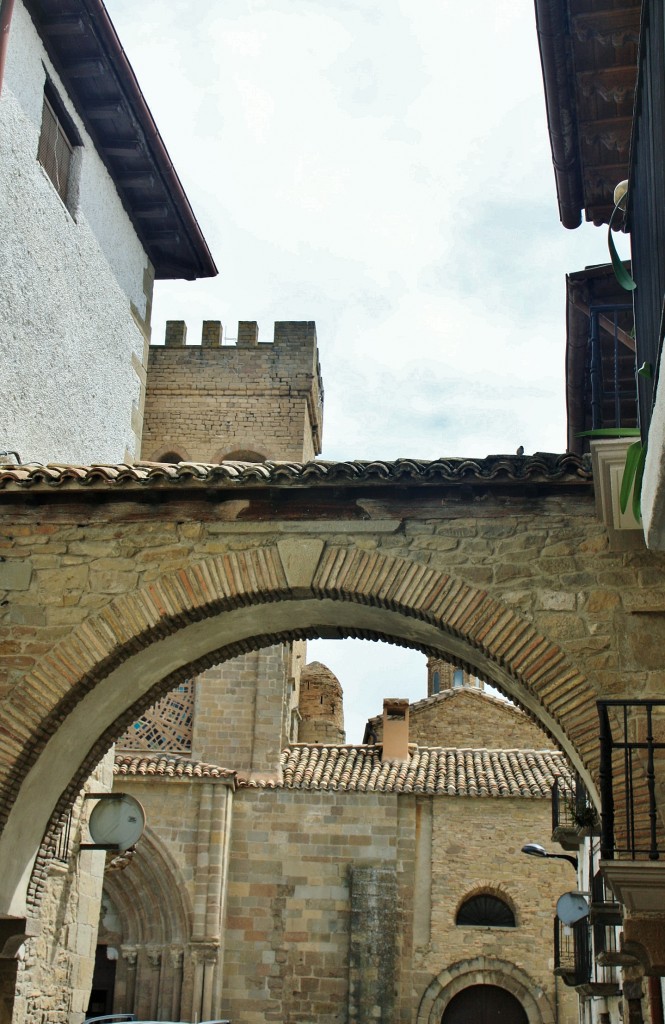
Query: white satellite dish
(117, 821)
(572, 907)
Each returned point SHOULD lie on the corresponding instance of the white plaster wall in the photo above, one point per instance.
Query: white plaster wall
(66, 331)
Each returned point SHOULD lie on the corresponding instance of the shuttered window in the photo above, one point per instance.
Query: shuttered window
(57, 140)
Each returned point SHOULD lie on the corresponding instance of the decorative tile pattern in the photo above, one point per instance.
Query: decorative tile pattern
(167, 725)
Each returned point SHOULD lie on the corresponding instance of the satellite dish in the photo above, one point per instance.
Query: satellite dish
(572, 907)
(117, 822)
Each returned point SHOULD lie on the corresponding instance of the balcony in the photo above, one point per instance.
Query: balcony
(573, 815)
(601, 387)
(632, 772)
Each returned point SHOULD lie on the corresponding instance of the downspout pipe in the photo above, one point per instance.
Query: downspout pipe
(6, 11)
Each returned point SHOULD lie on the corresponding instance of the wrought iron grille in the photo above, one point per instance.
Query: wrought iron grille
(611, 368)
(632, 762)
(572, 809)
(573, 951)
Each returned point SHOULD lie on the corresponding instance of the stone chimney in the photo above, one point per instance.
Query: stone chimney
(395, 729)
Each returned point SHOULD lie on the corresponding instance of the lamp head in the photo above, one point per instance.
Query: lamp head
(534, 850)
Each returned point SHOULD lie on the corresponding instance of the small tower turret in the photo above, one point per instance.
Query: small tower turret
(321, 706)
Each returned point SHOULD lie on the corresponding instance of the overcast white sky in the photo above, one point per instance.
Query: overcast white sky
(381, 167)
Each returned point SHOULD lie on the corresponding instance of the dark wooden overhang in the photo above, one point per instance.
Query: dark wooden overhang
(593, 287)
(588, 52)
(82, 43)
(236, 492)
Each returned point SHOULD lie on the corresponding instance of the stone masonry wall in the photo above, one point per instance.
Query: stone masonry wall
(470, 718)
(341, 907)
(55, 969)
(321, 706)
(477, 849)
(241, 711)
(207, 402)
(289, 910)
(547, 561)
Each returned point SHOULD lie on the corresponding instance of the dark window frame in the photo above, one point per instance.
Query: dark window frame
(58, 141)
(485, 910)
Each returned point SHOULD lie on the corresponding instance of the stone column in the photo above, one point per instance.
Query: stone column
(210, 894)
(176, 960)
(205, 956)
(126, 995)
(155, 961)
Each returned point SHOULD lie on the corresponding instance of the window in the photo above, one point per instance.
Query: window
(436, 683)
(57, 141)
(485, 909)
(458, 677)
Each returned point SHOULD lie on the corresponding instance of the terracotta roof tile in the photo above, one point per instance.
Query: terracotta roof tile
(168, 767)
(433, 770)
(542, 466)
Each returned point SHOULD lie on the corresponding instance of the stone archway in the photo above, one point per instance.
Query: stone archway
(484, 970)
(81, 695)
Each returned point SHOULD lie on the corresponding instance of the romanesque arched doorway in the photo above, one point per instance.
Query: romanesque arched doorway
(484, 1004)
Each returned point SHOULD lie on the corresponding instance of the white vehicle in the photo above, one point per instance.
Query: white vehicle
(131, 1018)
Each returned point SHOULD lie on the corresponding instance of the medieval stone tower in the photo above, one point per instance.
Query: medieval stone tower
(321, 706)
(250, 402)
(444, 675)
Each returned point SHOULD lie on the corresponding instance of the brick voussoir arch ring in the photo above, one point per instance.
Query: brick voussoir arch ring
(310, 574)
(484, 970)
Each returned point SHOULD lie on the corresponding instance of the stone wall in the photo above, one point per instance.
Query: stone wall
(243, 709)
(209, 402)
(527, 589)
(321, 706)
(342, 906)
(470, 718)
(55, 966)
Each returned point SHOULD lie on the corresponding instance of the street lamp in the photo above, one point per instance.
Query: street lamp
(536, 850)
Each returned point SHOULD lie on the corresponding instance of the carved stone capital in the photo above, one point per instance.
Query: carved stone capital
(154, 958)
(176, 956)
(130, 955)
(205, 952)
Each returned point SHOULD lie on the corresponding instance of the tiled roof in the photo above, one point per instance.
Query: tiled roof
(160, 766)
(433, 770)
(500, 469)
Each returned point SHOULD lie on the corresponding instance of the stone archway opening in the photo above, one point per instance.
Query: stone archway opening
(113, 667)
(484, 1004)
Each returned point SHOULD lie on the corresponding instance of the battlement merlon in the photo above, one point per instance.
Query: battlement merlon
(287, 365)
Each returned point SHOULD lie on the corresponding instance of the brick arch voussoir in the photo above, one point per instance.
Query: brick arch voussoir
(127, 625)
(247, 577)
(473, 616)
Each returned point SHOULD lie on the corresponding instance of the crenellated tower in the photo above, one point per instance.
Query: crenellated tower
(249, 400)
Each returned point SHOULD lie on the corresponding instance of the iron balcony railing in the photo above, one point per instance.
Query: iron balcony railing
(573, 951)
(632, 762)
(573, 814)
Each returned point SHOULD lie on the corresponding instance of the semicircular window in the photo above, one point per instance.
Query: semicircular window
(487, 910)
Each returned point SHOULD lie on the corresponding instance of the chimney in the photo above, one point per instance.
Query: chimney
(395, 729)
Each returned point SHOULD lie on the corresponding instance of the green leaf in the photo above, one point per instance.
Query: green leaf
(646, 370)
(633, 456)
(611, 432)
(620, 272)
(637, 484)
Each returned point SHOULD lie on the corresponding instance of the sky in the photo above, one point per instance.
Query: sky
(381, 167)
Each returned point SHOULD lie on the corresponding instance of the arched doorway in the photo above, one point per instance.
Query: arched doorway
(484, 1004)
